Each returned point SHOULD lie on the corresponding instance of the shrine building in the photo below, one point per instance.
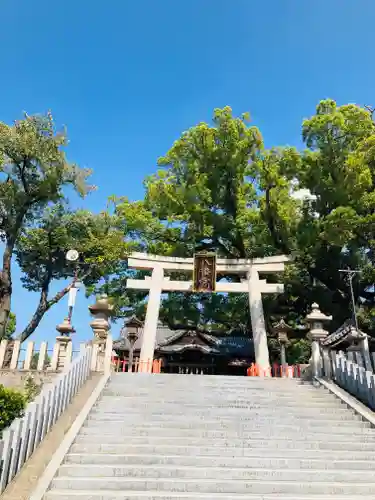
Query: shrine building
(189, 351)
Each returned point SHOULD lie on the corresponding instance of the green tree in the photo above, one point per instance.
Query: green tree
(334, 228)
(210, 194)
(33, 172)
(218, 189)
(205, 187)
(41, 254)
(11, 327)
(35, 361)
(12, 405)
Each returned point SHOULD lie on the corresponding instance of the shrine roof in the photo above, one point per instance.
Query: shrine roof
(342, 335)
(162, 333)
(168, 341)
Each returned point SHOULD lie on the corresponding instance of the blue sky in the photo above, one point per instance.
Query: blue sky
(127, 77)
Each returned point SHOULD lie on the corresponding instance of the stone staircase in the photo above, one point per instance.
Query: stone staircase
(208, 437)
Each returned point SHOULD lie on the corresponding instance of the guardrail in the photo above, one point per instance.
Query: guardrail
(354, 379)
(17, 356)
(153, 366)
(275, 371)
(24, 434)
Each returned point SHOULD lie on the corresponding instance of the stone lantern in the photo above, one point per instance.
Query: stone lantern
(316, 320)
(65, 329)
(282, 330)
(131, 331)
(101, 311)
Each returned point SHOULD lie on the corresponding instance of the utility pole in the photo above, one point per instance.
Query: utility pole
(351, 273)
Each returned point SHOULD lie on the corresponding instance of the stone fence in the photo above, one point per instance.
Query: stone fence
(351, 377)
(14, 356)
(68, 372)
(19, 441)
(18, 361)
(351, 369)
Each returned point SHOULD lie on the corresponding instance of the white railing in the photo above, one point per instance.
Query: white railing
(23, 356)
(24, 435)
(353, 378)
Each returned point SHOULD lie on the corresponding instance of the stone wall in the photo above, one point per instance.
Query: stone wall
(16, 378)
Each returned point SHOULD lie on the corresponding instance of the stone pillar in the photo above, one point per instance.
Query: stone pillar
(359, 349)
(258, 326)
(316, 320)
(151, 321)
(101, 311)
(64, 342)
(366, 353)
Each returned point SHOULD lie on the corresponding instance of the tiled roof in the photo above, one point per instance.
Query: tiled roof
(341, 335)
(230, 345)
(162, 334)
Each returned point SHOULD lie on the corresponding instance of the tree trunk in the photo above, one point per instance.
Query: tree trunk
(8, 354)
(34, 322)
(5, 288)
(43, 306)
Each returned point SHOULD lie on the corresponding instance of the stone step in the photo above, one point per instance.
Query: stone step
(259, 447)
(314, 462)
(207, 400)
(344, 439)
(124, 413)
(63, 494)
(187, 412)
(224, 473)
(193, 389)
(240, 384)
(201, 400)
(231, 426)
(215, 486)
(130, 391)
(174, 380)
(265, 429)
(228, 395)
(182, 378)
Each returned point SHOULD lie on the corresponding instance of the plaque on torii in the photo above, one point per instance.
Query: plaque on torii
(204, 272)
(204, 268)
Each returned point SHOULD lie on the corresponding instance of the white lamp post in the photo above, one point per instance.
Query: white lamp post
(72, 256)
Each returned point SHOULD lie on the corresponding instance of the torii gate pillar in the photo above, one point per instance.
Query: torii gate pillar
(152, 317)
(252, 285)
(258, 326)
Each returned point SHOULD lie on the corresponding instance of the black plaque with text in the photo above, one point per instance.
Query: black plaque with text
(204, 272)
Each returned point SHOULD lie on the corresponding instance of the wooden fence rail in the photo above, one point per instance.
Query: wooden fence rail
(20, 440)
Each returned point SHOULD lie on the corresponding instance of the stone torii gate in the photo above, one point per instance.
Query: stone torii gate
(158, 283)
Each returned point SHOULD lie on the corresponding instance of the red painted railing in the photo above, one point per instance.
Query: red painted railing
(151, 365)
(276, 370)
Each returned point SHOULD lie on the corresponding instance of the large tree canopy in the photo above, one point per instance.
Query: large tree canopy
(209, 194)
(334, 229)
(218, 189)
(33, 172)
(41, 254)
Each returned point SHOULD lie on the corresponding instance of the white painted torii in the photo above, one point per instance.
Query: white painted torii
(157, 283)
